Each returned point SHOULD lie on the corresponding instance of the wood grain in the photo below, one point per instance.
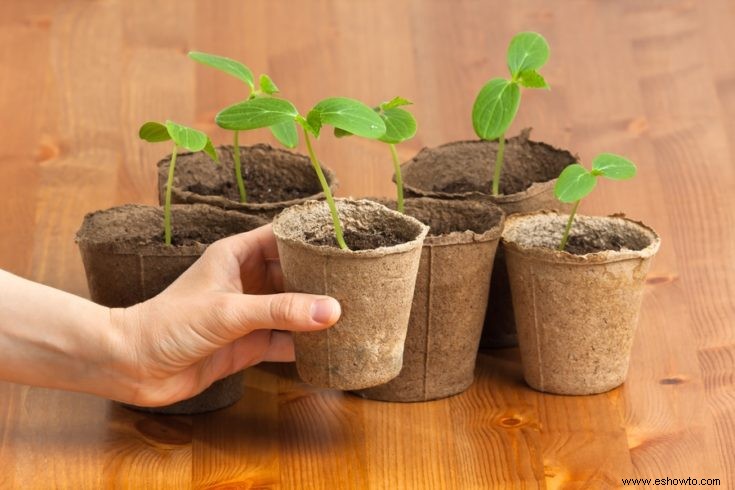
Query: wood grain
(653, 80)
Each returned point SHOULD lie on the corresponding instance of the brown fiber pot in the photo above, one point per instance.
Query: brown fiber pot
(126, 262)
(274, 180)
(374, 283)
(464, 170)
(576, 311)
(449, 300)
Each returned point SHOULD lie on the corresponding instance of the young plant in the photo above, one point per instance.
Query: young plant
(576, 182)
(284, 132)
(348, 115)
(497, 102)
(183, 137)
(400, 126)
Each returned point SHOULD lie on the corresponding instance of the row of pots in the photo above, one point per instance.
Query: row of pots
(414, 304)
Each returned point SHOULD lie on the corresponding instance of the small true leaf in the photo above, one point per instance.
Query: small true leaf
(186, 137)
(395, 102)
(350, 115)
(256, 113)
(613, 166)
(285, 132)
(574, 183)
(495, 108)
(532, 79)
(153, 132)
(400, 126)
(527, 51)
(209, 150)
(227, 65)
(267, 85)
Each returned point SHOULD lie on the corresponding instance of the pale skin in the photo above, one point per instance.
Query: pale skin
(222, 315)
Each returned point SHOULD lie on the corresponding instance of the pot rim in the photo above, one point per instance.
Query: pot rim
(534, 189)
(545, 254)
(304, 208)
(458, 237)
(220, 201)
(145, 246)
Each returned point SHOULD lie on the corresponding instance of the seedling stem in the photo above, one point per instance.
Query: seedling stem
(238, 168)
(399, 177)
(565, 237)
(167, 202)
(498, 165)
(327, 192)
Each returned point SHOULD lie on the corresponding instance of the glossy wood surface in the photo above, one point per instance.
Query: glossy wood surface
(654, 80)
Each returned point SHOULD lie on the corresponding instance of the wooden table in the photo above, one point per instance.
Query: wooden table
(653, 80)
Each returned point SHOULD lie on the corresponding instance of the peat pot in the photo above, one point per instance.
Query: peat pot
(576, 311)
(126, 262)
(274, 179)
(464, 170)
(373, 281)
(449, 300)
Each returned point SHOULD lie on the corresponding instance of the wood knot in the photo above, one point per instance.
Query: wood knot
(166, 431)
(511, 422)
(661, 279)
(47, 150)
(638, 126)
(673, 380)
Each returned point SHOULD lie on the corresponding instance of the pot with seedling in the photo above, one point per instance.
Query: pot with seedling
(360, 252)
(452, 283)
(577, 284)
(131, 253)
(257, 179)
(516, 173)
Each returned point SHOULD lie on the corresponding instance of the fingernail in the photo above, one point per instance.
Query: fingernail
(324, 310)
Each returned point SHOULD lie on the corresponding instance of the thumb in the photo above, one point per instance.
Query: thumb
(239, 314)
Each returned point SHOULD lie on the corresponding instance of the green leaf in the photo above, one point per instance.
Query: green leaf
(495, 108)
(613, 166)
(341, 133)
(314, 118)
(400, 126)
(186, 137)
(574, 183)
(209, 150)
(260, 112)
(285, 132)
(267, 85)
(350, 115)
(301, 121)
(527, 51)
(395, 102)
(532, 79)
(153, 132)
(227, 65)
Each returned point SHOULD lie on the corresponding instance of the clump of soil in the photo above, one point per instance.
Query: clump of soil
(270, 174)
(588, 235)
(467, 166)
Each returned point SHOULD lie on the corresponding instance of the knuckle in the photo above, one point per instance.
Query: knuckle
(285, 308)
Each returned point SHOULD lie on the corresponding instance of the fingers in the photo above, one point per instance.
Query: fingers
(237, 315)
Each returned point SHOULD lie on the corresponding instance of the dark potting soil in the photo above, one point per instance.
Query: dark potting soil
(590, 234)
(358, 240)
(143, 225)
(467, 166)
(270, 175)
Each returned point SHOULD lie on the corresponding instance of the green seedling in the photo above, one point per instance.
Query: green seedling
(576, 182)
(183, 137)
(348, 115)
(497, 102)
(400, 126)
(284, 132)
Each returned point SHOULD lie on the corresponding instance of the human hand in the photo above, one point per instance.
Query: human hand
(220, 316)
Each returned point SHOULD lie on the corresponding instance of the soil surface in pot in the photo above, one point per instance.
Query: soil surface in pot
(134, 225)
(467, 166)
(588, 234)
(270, 174)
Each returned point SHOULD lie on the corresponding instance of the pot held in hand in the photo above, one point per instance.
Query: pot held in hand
(373, 281)
(576, 311)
